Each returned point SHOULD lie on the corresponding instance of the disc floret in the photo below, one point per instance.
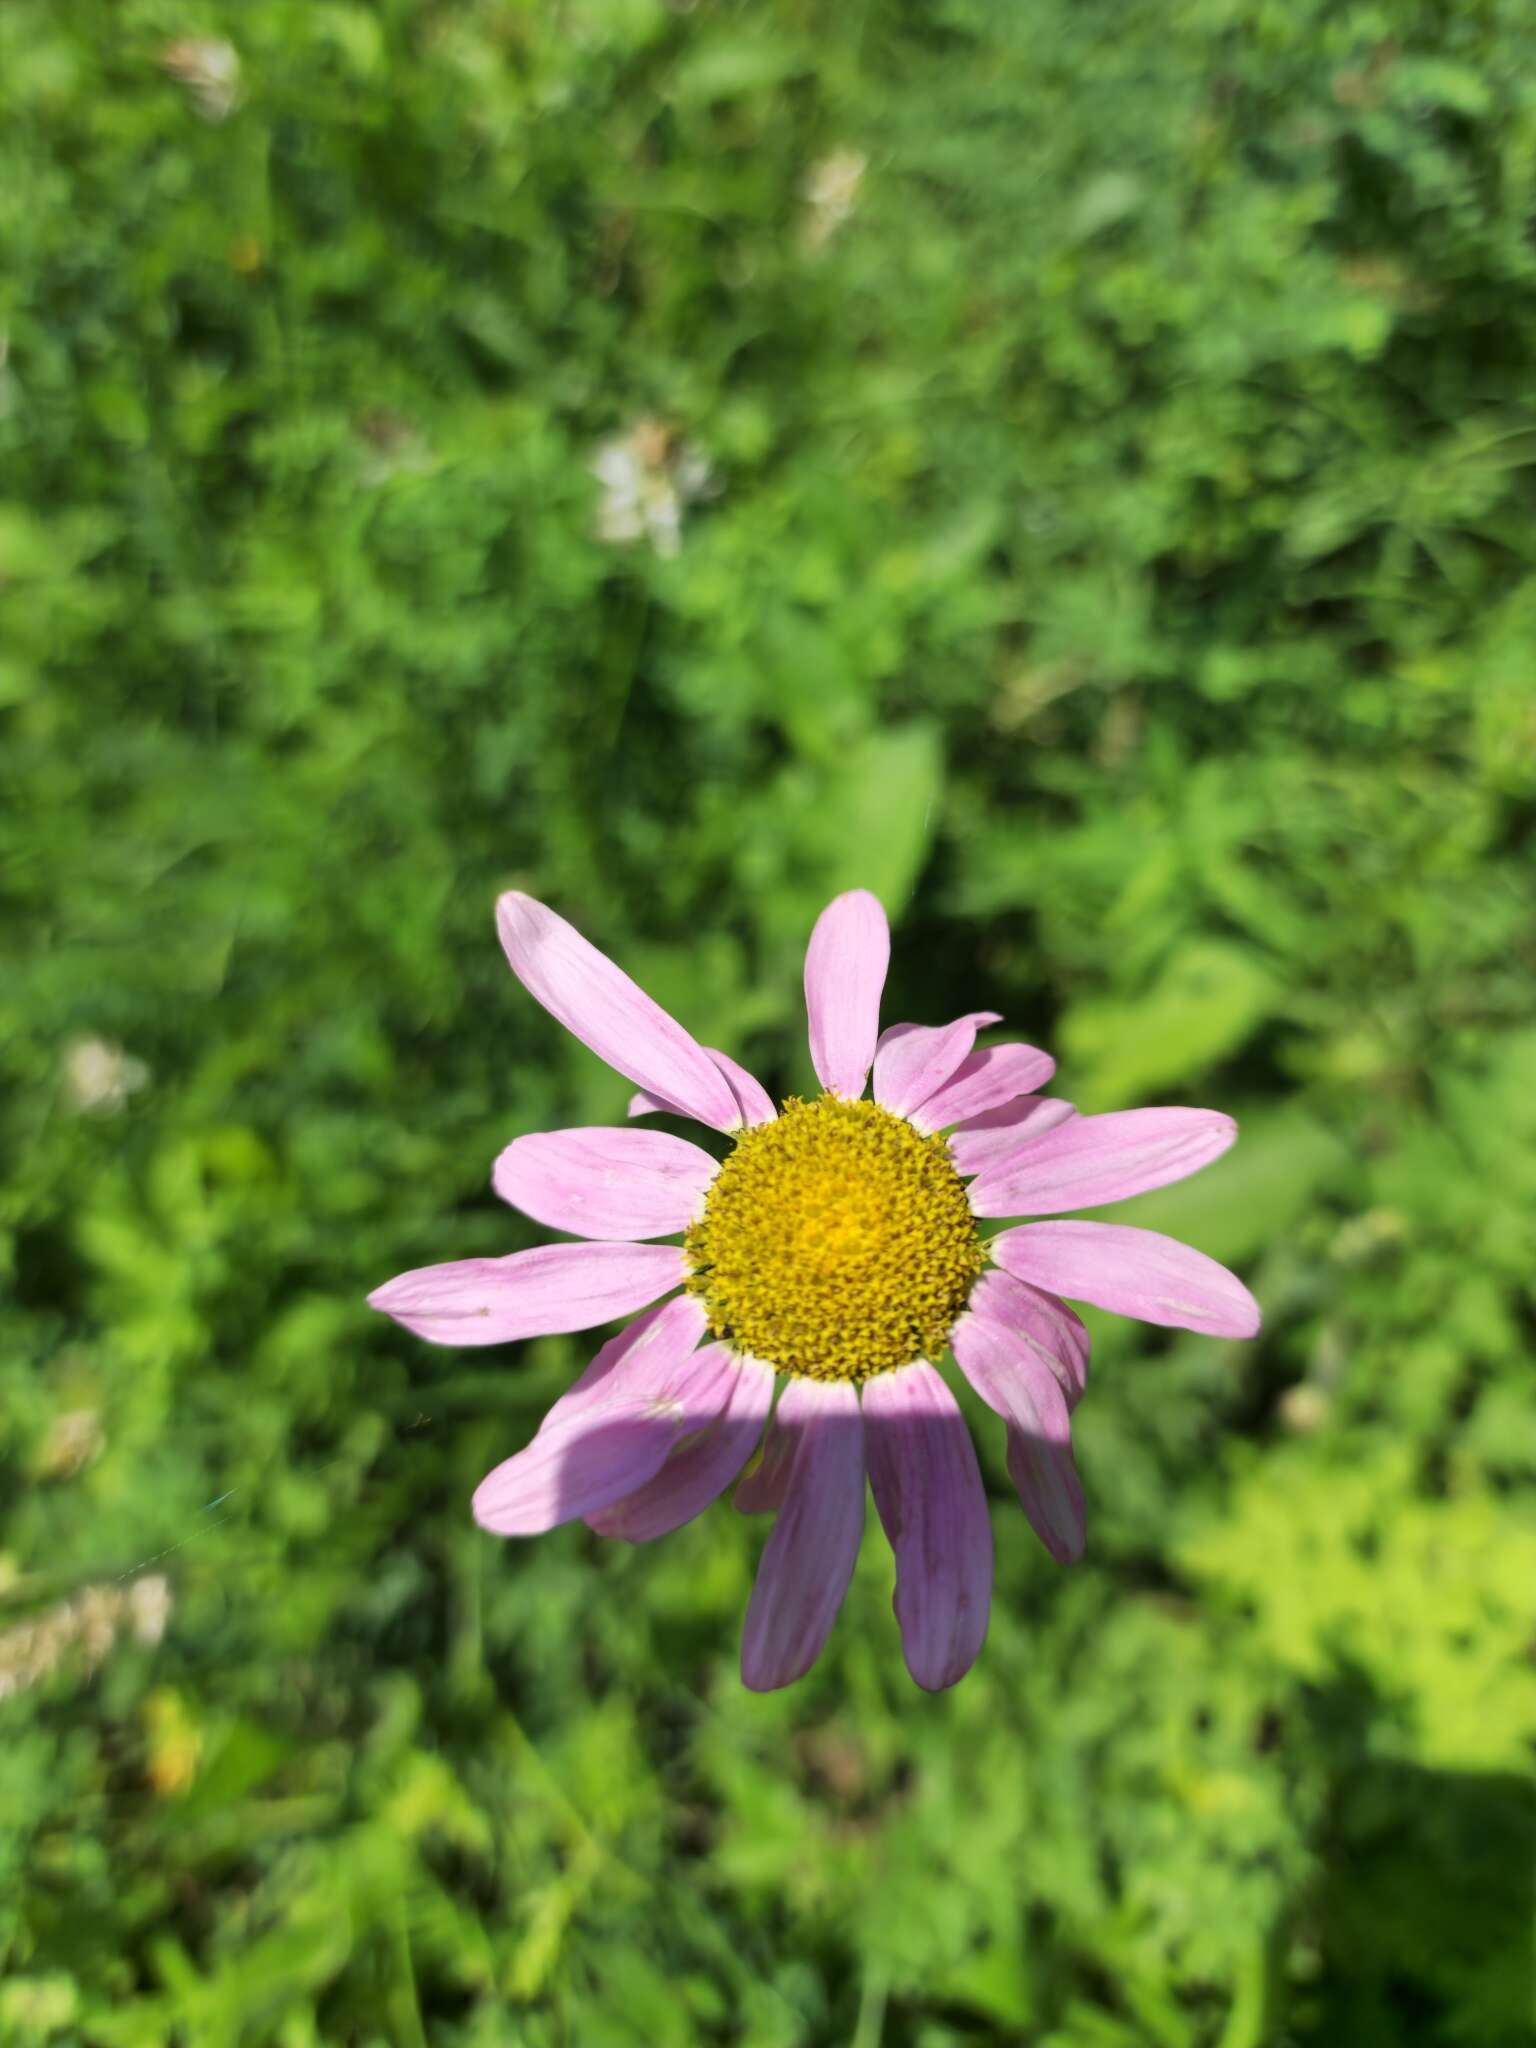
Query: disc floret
(836, 1242)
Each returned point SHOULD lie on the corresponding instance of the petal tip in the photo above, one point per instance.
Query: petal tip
(483, 1506)
(1250, 1322)
(935, 1682)
(512, 912)
(862, 896)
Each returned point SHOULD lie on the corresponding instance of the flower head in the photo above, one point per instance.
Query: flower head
(831, 192)
(648, 476)
(99, 1077)
(208, 68)
(833, 1256)
(82, 1631)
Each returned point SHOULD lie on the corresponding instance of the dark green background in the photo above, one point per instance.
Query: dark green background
(1123, 560)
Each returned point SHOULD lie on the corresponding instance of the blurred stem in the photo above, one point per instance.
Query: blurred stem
(870, 2025)
(407, 2001)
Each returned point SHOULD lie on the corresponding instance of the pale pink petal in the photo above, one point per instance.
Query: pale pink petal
(1042, 1322)
(600, 1445)
(648, 1346)
(845, 965)
(913, 1060)
(590, 1383)
(530, 1294)
(754, 1099)
(701, 1466)
(981, 1141)
(605, 1183)
(983, 1080)
(809, 1556)
(1016, 1381)
(927, 1487)
(1097, 1159)
(1132, 1272)
(756, 1103)
(599, 1004)
(762, 1491)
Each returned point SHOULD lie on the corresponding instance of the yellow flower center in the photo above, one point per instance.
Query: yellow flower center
(836, 1242)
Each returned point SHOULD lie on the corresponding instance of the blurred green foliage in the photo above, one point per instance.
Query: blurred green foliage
(1120, 553)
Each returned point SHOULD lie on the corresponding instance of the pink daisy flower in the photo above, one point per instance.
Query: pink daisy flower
(833, 1255)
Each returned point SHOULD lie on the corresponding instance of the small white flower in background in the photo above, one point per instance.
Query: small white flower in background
(99, 1077)
(74, 1440)
(83, 1630)
(831, 192)
(149, 1607)
(209, 69)
(648, 476)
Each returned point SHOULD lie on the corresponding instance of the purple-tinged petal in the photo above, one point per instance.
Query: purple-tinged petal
(1131, 1272)
(983, 1080)
(1050, 1492)
(599, 1004)
(913, 1060)
(1046, 1325)
(597, 1449)
(927, 1487)
(1097, 1159)
(754, 1099)
(845, 965)
(809, 1556)
(605, 1183)
(1020, 1385)
(701, 1466)
(762, 1491)
(576, 1466)
(997, 1134)
(530, 1294)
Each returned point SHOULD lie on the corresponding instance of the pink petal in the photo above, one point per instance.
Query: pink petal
(981, 1141)
(762, 1491)
(593, 1451)
(1133, 1272)
(605, 1183)
(1050, 1493)
(592, 1383)
(927, 1487)
(756, 1103)
(1046, 1325)
(599, 1004)
(1016, 1381)
(1095, 1159)
(845, 965)
(576, 1466)
(983, 1080)
(530, 1294)
(912, 1060)
(809, 1556)
(701, 1466)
